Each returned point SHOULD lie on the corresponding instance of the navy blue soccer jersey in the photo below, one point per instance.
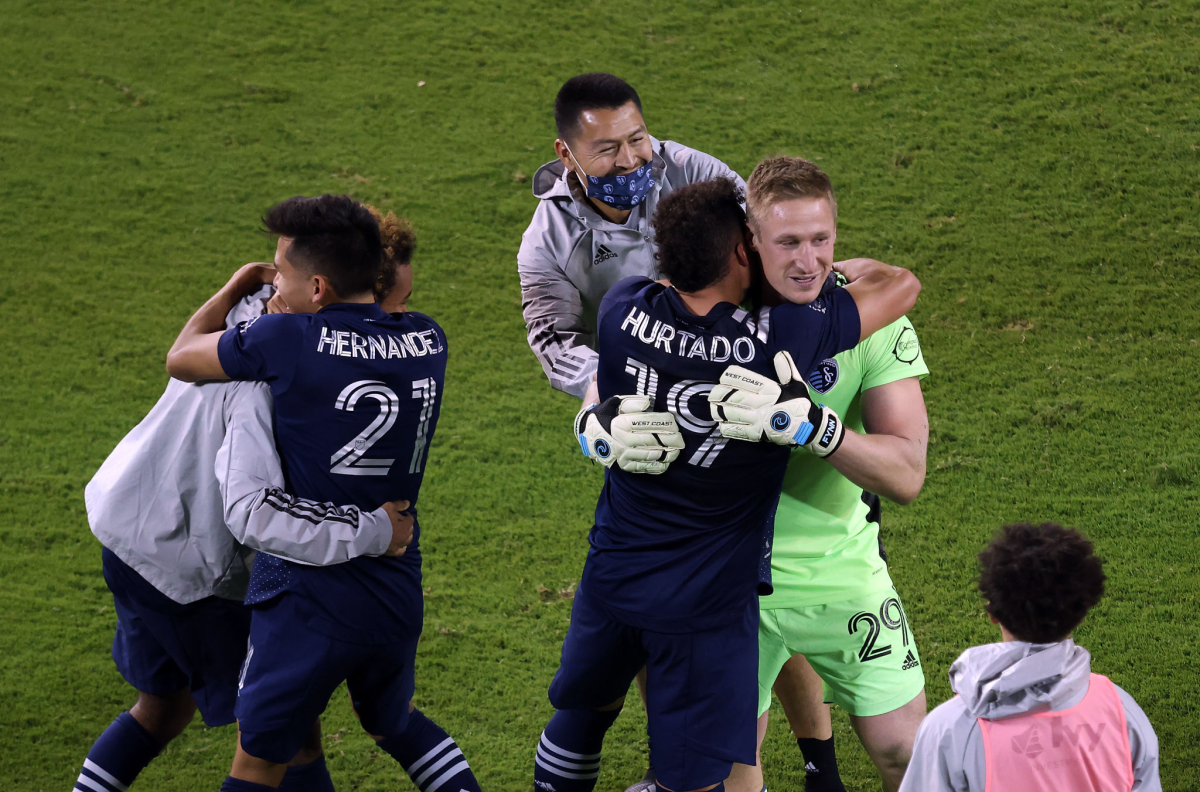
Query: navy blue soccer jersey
(680, 551)
(357, 396)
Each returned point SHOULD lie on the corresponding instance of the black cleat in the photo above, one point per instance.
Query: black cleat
(647, 784)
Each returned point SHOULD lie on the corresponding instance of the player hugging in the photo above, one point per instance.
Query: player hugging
(753, 401)
(339, 385)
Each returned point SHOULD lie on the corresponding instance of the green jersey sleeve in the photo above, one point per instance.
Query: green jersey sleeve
(893, 353)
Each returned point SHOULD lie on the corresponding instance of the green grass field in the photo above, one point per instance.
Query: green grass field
(1035, 163)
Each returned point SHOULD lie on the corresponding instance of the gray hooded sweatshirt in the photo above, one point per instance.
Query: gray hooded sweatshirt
(1002, 680)
(570, 256)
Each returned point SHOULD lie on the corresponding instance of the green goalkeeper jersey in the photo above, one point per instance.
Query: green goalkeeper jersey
(826, 539)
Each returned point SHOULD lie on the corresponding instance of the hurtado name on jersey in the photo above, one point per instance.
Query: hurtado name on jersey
(347, 343)
(660, 335)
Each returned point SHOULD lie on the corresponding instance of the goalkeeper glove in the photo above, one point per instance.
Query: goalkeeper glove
(749, 406)
(621, 430)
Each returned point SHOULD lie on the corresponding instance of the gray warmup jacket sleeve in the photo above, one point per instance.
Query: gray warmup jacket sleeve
(1143, 746)
(264, 517)
(554, 318)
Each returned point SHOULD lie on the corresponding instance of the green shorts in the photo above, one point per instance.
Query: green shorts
(862, 648)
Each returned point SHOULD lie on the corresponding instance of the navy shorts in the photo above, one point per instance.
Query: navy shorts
(291, 670)
(162, 647)
(701, 688)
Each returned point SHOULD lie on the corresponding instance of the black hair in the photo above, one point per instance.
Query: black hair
(595, 91)
(696, 229)
(332, 235)
(1040, 580)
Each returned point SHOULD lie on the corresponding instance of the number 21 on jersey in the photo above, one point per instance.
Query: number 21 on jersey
(351, 459)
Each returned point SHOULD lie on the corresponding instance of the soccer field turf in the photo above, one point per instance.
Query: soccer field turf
(1035, 163)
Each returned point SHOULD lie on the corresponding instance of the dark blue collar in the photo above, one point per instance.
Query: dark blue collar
(718, 312)
(365, 310)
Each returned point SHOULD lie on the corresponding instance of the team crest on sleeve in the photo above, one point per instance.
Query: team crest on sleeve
(824, 376)
(244, 326)
(907, 348)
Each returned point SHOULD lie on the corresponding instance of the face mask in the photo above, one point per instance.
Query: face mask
(619, 192)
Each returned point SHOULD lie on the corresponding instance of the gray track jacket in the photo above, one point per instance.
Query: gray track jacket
(570, 256)
(1001, 680)
(157, 502)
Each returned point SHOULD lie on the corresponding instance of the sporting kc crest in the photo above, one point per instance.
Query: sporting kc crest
(824, 376)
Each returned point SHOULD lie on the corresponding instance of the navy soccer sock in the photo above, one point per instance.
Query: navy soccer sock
(568, 755)
(118, 756)
(237, 785)
(311, 777)
(820, 765)
(430, 756)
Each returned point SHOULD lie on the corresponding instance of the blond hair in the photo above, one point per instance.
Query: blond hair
(399, 242)
(777, 179)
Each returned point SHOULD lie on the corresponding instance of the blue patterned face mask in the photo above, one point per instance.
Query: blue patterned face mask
(619, 192)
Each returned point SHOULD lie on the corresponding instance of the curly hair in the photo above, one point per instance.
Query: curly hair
(696, 229)
(778, 179)
(399, 243)
(1040, 580)
(332, 235)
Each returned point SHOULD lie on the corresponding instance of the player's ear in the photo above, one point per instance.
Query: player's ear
(564, 156)
(320, 289)
(743, 253)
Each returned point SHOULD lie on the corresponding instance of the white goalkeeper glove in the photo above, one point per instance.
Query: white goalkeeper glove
(749, 406)
(621, 430)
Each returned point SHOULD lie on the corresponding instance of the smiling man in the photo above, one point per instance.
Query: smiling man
(671, 581)
(834, 603)
(592, 227)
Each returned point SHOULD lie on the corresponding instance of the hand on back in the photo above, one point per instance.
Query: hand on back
(749, 406)
(622, 430)
(403, 525)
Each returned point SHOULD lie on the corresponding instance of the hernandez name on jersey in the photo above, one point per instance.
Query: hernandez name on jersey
(681, 550)
(357, 396)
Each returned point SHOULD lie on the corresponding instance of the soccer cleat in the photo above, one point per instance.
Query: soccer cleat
(649, 783)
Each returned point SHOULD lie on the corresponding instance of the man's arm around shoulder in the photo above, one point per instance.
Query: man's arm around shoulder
(193, 356)
(881, 292)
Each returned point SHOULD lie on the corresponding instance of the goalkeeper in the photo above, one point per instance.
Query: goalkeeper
(834, 608)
